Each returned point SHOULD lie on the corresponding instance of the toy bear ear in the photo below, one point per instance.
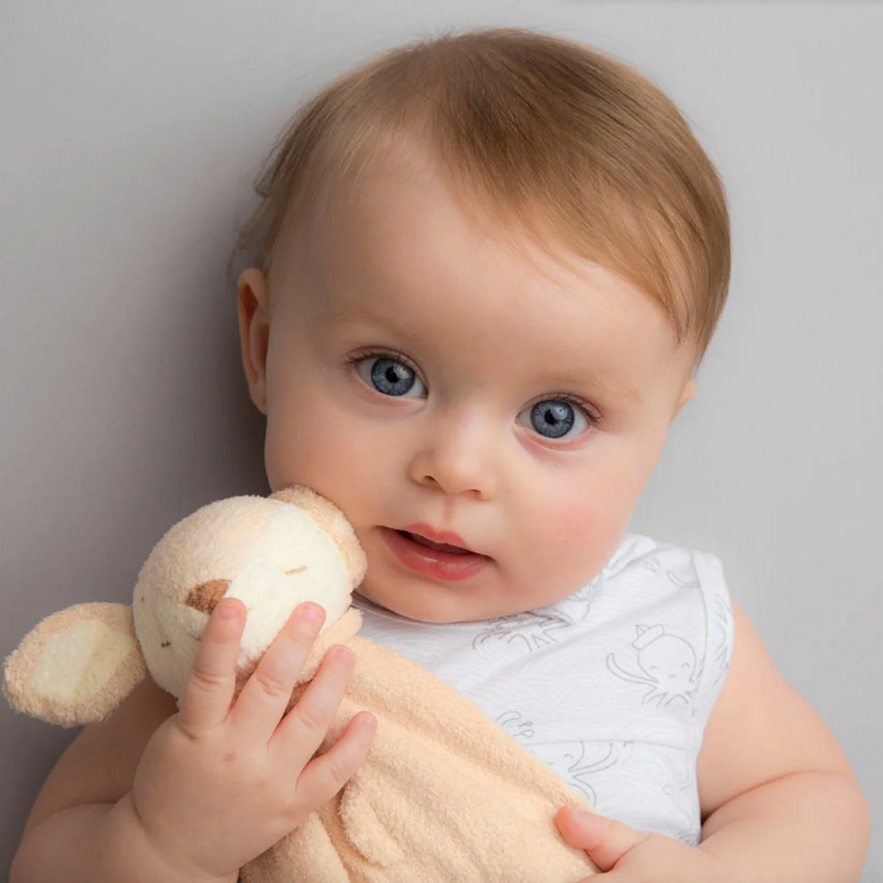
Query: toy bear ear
(332, 521)
(76, 665)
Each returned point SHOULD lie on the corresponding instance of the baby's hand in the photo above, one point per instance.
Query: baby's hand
(218, 785)
(629, 856)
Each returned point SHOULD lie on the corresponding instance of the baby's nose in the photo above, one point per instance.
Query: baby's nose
(459, 455)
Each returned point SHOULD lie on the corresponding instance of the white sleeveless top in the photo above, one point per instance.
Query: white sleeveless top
(611, 687)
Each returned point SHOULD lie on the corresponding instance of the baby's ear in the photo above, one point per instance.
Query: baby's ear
(75, 666)
(688, 392)
(254, 332)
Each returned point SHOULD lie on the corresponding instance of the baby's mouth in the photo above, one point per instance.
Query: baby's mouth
(438, 547)
(447, 562)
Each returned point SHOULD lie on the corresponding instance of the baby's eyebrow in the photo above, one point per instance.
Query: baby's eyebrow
(616, 388)
(364, 317)
(575, 380)
(365, 313)
(620, 391)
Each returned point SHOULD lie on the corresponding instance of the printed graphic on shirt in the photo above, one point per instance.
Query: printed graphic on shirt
(654, 565)
(524, 633)
(575, 763)
(516, 725)
(666, 663)
(519, 632)
(608, 774)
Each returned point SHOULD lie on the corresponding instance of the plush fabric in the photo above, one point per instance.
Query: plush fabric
(444, 795)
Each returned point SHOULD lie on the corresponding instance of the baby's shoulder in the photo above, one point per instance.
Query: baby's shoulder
(642, 562)
(99, 765)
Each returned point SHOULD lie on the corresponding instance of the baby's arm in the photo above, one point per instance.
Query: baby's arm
(155, 795)
(63, 836)
(777, 794)
(779, 800)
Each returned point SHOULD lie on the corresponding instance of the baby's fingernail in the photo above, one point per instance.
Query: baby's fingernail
(583, 817)
(228, 610)
(312, 612)
(344, 654)
(367, 720)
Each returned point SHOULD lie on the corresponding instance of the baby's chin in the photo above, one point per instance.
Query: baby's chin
(430, 614)
(414, 612)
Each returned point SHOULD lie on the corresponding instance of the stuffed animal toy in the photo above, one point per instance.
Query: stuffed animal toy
(444, 794)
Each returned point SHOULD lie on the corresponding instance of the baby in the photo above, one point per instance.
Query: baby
(488, 267)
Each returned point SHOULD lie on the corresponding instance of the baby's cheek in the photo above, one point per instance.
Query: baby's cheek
(582, 534)
(306, 446)
(587, 522)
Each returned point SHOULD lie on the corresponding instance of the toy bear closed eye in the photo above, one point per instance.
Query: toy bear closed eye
(444, 793)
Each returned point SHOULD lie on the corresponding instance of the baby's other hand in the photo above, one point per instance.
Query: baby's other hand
(217, 784)
(629, 856)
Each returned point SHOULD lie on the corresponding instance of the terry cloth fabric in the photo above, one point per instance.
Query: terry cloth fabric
(444, 795)
(611, 687)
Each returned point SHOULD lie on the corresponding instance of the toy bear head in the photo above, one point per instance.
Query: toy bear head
(272, 553)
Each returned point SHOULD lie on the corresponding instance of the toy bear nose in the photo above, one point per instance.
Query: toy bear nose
(206, 595)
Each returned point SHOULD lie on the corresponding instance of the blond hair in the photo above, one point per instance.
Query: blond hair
(564, 140)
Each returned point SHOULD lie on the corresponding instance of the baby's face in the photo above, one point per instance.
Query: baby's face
(447, 391)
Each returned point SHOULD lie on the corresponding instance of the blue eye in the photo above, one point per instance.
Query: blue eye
(389, 376)
(554, 418)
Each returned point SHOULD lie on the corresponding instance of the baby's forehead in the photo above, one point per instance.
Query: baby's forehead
(401, 252)
(390, 193)
(397, 209)
(400, 183)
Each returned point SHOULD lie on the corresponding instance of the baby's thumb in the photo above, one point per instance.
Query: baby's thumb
(605, 840)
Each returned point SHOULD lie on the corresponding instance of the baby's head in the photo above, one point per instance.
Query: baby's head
(487, 268)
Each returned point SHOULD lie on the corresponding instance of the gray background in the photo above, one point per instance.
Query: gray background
(132, 134)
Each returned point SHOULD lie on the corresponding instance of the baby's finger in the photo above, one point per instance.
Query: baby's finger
(304, 728)
(267, 692)
(208, 690)
(605, 840)
(326, 774)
